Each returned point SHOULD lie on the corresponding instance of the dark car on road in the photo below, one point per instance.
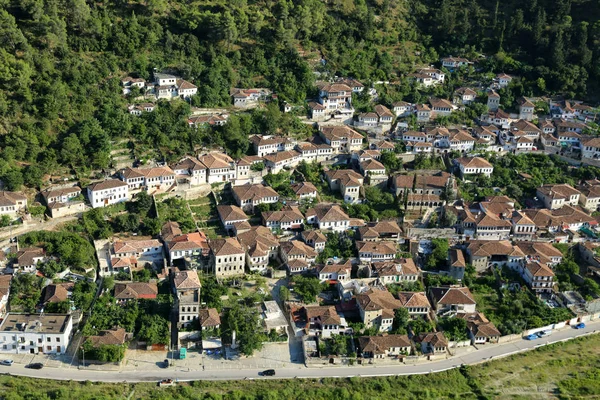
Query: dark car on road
(166, 363)
(268, 372)
(35, 366)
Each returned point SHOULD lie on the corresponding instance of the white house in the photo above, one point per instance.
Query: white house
(474, 165)
(106, 193)
(11, 203)
(35, 333)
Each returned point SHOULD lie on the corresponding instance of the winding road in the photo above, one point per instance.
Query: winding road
(483, 354)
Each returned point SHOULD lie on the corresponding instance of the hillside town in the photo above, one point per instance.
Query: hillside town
(391, 233)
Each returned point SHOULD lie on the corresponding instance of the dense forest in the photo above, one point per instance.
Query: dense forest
(61, 108)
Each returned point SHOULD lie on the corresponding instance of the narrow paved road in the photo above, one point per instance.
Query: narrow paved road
(485, 353)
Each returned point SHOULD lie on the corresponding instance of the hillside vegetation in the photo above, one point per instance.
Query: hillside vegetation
(61, 109)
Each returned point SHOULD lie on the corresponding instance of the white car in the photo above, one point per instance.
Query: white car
(7, 362)
(544, 333)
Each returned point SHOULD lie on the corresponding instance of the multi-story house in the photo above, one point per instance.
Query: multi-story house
(557, 196)
(261, 247)
(11, 203)
(314, 239)
(590, 195)
(493, 100)
(230, 215)
(305, 190)
(347, 182)
(503, 80)
(328, 217)
(169, 86)
(440, 107)
(416, 303)
(527, 127)
(452, 63)
(190, 170)
(483, 254)
(424, 113)
(523, 228)
(324, 321)
(335, 272)
(106, 193)
(452, 300)
(186, 289)
(474, 166)
(538, 276)
(219, 167)
(376, 251)
(376, 308)
(402, 109)
(526, 109)
(380, 347)
(335, 96)
(151, 178)
(35, 333)
(249, 196)
(134, 251)
(276, 162)
(341, 138)
(269, 144)
(464, 96)
(128, 83)
(227, 257)
(249, 98)
(397, 270)
(297, 256)
(496, 117)
(590, 149)
(287, 219)
(191, 246)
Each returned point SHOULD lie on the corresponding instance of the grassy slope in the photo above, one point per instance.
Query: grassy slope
(563, 370)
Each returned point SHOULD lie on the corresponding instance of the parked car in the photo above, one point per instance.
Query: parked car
(35, 366)
(166, 363)
(533, 336)
(268, 372)
(544, 333)
(166, 382)
(6, 362)
(580, 325)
